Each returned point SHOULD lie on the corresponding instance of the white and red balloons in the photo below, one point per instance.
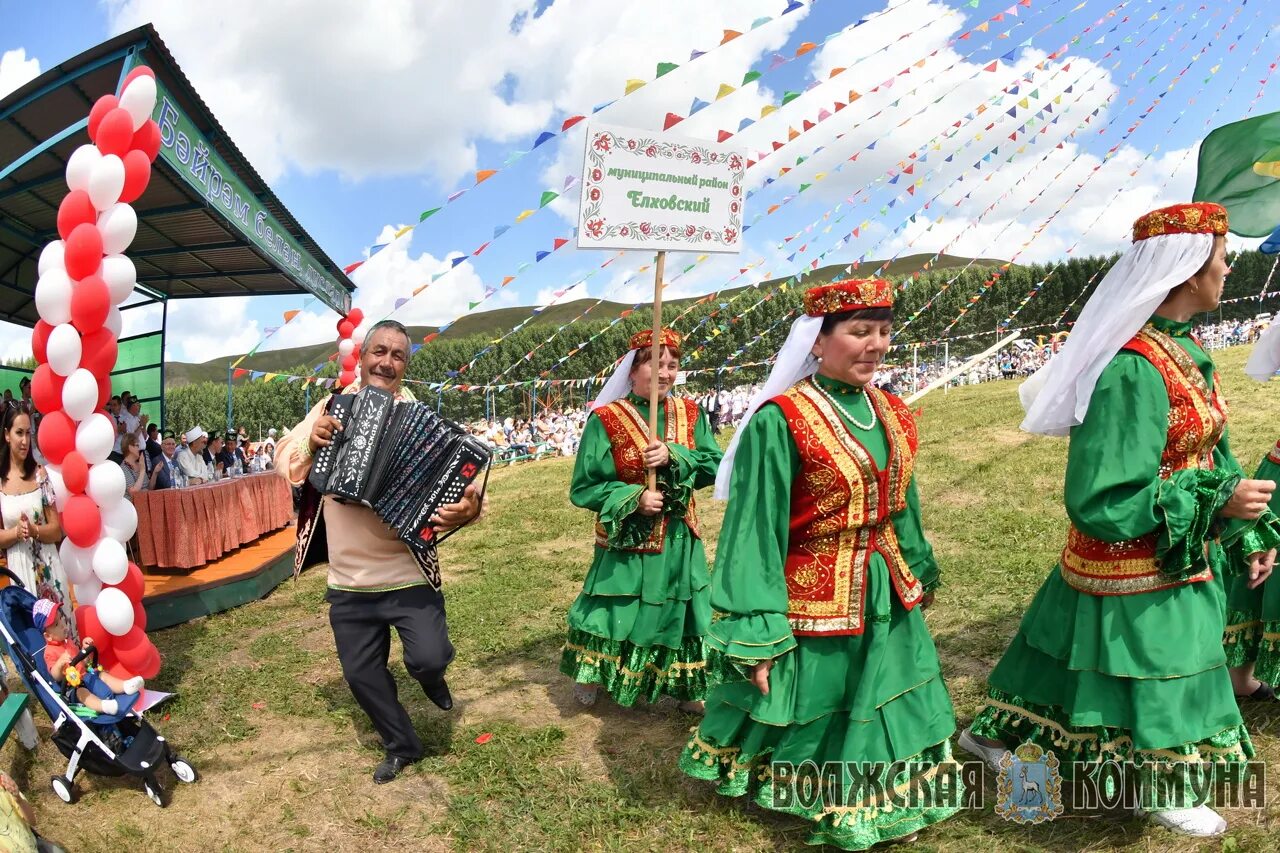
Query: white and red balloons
(84, 278)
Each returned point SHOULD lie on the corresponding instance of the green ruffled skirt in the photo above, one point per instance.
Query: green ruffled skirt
(1139, 678)
(638, 625)
(1252, 633)
(876, 698)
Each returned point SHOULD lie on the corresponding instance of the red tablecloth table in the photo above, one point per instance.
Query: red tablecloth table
(187, 528)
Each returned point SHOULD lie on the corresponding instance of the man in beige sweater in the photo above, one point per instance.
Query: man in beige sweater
(375, 581)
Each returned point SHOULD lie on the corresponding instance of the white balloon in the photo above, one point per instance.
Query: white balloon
(139, 99)
(115, 611)
(63, 349)
(59, 487)
(106, 182)
(118, 224)
(53, 297)
(80, 395)
(80, 166)
(120, 521)
(106, 485)
(120, 275)
(75, 562)
(52, 257)
(345, 346)
(95, 438)
(110, 562)
(115, 322)
(87, 592)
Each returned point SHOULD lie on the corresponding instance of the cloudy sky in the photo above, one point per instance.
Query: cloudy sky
(364, 115)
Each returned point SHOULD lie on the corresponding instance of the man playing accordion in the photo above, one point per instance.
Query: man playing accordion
(376, 582)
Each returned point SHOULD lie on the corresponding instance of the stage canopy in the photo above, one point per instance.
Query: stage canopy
(208, 225)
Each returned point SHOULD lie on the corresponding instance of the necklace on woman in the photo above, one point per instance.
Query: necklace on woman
(831, 399)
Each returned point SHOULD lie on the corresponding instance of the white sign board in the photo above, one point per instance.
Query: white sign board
(648, 190)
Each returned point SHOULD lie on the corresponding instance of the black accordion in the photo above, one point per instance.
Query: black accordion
(402, 460)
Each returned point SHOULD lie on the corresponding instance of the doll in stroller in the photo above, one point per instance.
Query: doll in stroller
(122, 743)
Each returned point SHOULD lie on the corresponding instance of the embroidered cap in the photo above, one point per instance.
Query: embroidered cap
(1201, 217)
(852, 294)
(44, 613)
(670, 338)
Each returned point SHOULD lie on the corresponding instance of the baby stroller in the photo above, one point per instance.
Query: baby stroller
(115, 745)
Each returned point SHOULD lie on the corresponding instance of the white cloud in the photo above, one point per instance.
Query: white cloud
(16, 69)
(404, 87)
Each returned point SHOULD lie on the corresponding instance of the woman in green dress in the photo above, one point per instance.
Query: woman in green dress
(1119, 657)
(637, 627)
(819, 643)
(1252, 637)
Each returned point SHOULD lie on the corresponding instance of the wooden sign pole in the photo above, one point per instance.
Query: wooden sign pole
(655, 355)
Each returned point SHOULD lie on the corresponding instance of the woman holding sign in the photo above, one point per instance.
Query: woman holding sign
(819, 641)
(637, 628)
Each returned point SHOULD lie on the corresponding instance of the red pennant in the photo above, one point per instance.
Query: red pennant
(723, 135)
(570, 122)
(672, 120)
(808, 125)
(991, 67)
(560, 241)
(776, 145)
(839, 106)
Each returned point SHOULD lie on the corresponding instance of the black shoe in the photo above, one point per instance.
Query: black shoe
(439, 694)
(390, 768)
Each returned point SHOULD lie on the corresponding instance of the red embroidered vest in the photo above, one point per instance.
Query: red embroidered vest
(840, 507)
(1197, 418)
(628, 433)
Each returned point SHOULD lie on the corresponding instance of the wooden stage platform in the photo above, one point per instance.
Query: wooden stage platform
(244, 575)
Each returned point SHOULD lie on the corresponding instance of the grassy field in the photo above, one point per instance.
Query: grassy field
(286, 755)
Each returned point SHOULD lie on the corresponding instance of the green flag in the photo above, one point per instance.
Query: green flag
(1240, 170)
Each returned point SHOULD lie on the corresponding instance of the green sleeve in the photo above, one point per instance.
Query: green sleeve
(1113, 488)
(1243, 538)
(748, 586)
(595, 486)
(916, 550)
(690, 469)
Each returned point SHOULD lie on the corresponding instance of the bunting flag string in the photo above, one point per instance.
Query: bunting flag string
(1051, 183)
(1038, 286)
(772, 209)
(987, 285)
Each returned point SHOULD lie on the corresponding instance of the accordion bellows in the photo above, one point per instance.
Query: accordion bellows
(402, 460)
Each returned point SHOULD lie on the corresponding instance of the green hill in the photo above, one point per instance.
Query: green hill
(498, 322)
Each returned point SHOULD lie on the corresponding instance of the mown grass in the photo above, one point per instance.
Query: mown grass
(286, 754)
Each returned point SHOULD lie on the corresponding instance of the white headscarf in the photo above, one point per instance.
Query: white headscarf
(795, 362)
(1056, 397)
(619, 384)
(1264, 361)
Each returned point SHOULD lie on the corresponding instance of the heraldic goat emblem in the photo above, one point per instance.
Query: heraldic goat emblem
(1029, 788)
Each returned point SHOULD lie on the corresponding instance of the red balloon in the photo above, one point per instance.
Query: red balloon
(40, 341)
(349, 363)
(104, 389)
(83, 254)
(98, 351)
(152, 668)
(46, 392)
(346, 378)
(345, 328)
(88, 625)
(356, 316)
(147, 140)
(140, 71)
(139, 612)
(76, 209)
(137, 173)
(132, 585)
(57, 436)
(75, 472)
(101, 107)
(135, 659)
(81, 520)
(90, 303)
(115, 132)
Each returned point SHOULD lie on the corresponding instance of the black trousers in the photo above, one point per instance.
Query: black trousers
(362, 623)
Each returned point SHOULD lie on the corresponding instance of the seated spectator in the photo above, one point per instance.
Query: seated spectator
(153, 444)
(165, 473)
(215, 456)
(135, 470)
(191, 458)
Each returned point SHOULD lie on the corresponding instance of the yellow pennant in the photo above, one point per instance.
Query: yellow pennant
(632, 85)
(522, 217)
(725, 89)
